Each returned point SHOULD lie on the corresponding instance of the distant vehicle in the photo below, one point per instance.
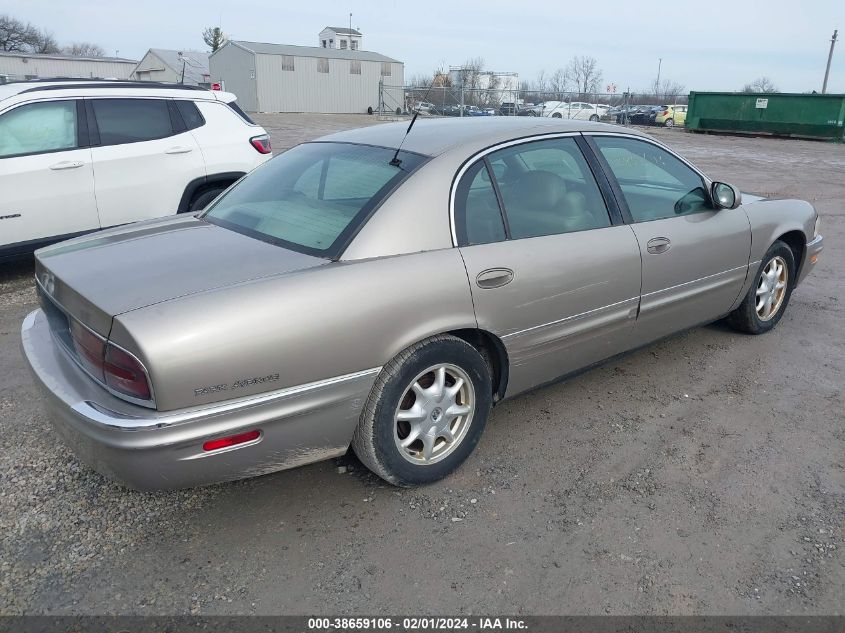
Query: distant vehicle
(640, 115)
(574, 110)
(475, 111)
(671, 116)
(426, 107)
(508, 108)
(651, 115)
(530, 109)
(78, 156)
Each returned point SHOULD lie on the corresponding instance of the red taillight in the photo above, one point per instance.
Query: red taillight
(231, 440)
(90, 349)
(125, 374)
(261, 143)
(665, 113)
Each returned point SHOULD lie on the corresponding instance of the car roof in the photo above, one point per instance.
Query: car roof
(53, 88)
(432, 137)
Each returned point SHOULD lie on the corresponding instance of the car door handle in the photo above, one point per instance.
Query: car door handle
(494, 278)
(66, 164)
(179, 150)
(657, 245)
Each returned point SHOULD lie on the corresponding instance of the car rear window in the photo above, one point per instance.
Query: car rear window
(314, 197)
(234, 105)
(131, 120)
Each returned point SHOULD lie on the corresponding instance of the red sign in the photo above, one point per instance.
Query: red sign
(216, 86)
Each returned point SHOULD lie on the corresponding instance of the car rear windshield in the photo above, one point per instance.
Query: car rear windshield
(234, 105)
(314, 197)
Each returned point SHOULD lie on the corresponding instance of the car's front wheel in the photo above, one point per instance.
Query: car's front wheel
(766, 301)
(594, 118)
(426, 412)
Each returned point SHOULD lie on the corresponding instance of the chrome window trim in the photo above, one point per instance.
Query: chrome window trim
(148, 404)
(479, 156)
(103, 417)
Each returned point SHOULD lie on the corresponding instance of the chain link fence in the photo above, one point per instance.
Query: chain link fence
(637, 108)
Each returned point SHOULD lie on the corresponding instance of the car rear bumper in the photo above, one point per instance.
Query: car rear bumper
(811, 256)
(152, 450)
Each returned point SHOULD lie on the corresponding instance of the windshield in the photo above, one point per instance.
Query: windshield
(314, 197)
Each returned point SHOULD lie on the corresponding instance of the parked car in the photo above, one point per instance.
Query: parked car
(641, 115)
(329, 299)
(651, 115)
(79, 156)
(574, 110)
(508, 108)
(530, 109)
(425, 107)
(672, 115)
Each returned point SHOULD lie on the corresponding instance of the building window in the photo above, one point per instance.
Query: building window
(355, 67)
(385, 69)
(343, 44)
(287, 62)
(331, 43)
(322, 64)
(354, 44)
(324, 43)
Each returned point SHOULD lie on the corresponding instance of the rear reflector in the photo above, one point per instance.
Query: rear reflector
(232, 440)
(261, 143)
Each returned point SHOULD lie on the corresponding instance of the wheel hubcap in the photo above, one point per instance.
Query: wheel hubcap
(771, 288)
(434, 414)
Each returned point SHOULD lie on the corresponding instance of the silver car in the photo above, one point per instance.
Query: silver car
(382, 290)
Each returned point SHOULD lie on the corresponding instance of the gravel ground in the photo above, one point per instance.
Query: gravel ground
(703, 474)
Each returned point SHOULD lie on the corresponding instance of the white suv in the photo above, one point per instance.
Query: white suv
(81, 155)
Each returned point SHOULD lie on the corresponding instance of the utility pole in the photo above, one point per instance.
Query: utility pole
(829, 59)
(657, 83)
(350, 27)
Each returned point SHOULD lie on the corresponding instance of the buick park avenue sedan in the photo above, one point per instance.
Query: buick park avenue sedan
(381, 291)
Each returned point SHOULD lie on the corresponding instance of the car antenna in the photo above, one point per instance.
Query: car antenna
(396, 161)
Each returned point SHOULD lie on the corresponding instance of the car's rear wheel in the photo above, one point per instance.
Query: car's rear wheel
(594, 118)
(202, 200)
(557, 115)
(426, 412)
(766, 301)
(669, 123)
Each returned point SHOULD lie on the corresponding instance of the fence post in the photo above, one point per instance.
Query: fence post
(462, 99)
(380, 95)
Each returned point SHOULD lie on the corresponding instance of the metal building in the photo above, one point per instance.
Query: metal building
(15, 66)
(286, 78)
(161, 64)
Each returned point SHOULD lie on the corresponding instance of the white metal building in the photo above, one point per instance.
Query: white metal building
(340, 37)
(286, 78)
(161, 64)
(14, 66)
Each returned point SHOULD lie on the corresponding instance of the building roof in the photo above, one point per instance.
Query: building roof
(196, 63)
(342, 30)
(435, 136)
(265, 48)
(113, 60)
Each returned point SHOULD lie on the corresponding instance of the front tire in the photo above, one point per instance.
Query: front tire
(594, 118)
(766, 301)
(426, 412)
(557, 115)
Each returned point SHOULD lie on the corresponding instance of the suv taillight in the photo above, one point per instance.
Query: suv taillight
(110, 365)
(261, 143)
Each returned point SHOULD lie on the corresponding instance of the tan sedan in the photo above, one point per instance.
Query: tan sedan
(383, 290)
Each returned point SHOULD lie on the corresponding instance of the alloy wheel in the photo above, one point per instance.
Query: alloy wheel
(771, 288)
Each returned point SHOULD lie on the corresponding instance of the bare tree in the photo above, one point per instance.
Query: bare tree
(17, 36)
(667, 90)
(558, 83)
(213, 37)
(46, 44)
(761, 84)
(584, 73)
(84, 49)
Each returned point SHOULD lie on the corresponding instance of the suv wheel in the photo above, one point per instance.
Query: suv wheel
(202, 200)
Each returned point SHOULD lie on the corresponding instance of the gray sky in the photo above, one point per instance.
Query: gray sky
(705, 44)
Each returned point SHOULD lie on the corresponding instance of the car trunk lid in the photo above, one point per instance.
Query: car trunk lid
(102, 275)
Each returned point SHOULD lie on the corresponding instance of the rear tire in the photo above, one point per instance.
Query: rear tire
(557, 115)
(425, 413)
(766, 301)
(594, 118)
(670, 123)
(202, 200)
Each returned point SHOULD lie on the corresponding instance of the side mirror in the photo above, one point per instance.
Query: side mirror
(725, 196)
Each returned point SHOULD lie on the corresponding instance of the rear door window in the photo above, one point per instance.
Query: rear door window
(38, 128)
(131, 120)
(190, 114)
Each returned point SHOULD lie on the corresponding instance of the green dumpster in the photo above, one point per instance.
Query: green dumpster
(782, 114)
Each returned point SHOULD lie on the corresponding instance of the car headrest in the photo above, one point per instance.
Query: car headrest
(539, 189)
